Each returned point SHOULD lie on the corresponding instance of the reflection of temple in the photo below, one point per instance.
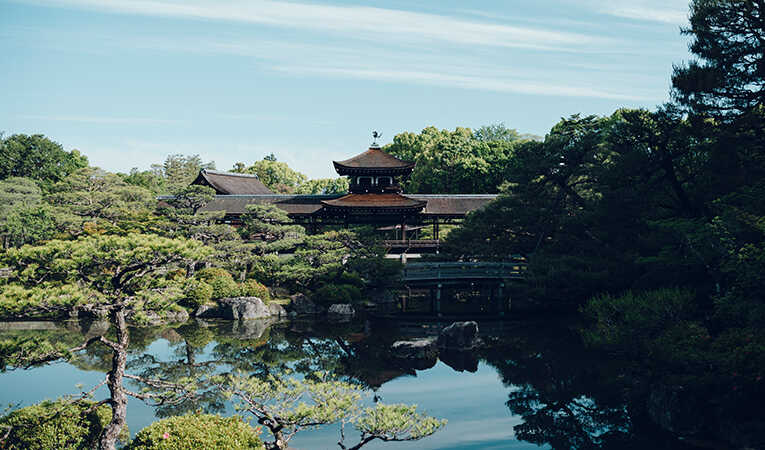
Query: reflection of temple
(375, 197)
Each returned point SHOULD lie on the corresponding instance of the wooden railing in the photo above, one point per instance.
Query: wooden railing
(412, 243)
(464, 270)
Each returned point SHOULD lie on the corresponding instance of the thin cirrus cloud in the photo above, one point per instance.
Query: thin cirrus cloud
(664, 11)
(475, 82)
(103, 120)
(358, 21)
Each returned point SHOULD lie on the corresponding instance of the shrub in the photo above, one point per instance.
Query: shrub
(252, 288)
(225, 287)
(636, 322)
(337, 293)
(222, 283)
(59, 425)
(197, 431)
(197, 293)
(209, 274)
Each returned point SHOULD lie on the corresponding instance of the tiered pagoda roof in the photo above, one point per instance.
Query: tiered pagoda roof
(373, 161)
(373, 189)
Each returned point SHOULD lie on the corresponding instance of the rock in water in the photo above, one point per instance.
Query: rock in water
(301, 304)
(342, 311)
(459, 336)
(416, 349)
(244, 308)
(277, 310)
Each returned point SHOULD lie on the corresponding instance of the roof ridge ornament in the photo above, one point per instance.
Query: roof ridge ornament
(375, 136)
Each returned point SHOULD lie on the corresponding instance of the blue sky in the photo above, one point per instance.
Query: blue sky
(130, 81)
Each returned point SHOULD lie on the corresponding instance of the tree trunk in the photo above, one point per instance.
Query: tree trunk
(114, 381)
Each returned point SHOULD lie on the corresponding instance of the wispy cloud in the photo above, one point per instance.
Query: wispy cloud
(666, 11)
(103, 120)
(357, 21)
(477, 82)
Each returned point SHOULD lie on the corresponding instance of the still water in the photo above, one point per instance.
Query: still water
(532, 385)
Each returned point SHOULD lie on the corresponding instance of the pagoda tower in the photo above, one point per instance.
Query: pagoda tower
(374, 191)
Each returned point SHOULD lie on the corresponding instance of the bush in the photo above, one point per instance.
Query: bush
(252, 288)
(56, 425)
(636, 322)
(225, 287)
(195, 432)
(337, 293)
(212, 273)
(197, 293)
(222, 283)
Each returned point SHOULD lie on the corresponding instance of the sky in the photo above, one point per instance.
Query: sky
(128, 82)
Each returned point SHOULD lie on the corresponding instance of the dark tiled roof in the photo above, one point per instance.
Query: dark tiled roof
(228, 183)
(455, 205)
(452, 204)
(375, 201)
(291, 204)
(373, 159)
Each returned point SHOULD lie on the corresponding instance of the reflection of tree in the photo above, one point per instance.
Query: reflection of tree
(185, 370)
(569, 398)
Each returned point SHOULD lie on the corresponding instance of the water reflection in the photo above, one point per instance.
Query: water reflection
(531, 382)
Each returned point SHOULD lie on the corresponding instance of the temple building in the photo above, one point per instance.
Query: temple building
(227, 183)
(375, 197)
(374, 191)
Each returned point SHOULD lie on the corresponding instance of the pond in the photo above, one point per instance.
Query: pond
(532, 384)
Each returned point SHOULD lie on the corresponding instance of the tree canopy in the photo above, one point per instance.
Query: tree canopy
(37, 157)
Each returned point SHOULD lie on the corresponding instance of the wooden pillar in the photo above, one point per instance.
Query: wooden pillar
(435, 228)
(403, 228)
(438, 299)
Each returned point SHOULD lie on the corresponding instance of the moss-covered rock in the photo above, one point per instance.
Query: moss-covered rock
(195, 432)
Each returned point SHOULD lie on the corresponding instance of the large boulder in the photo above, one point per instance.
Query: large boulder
(207, 312)
(459, 336)
(277, 310)
(341, 312)
(243, 308)
(301, 304)
(155, 318)
(416, 349)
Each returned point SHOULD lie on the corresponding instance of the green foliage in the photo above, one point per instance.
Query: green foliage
(16, 192)
(220, 281)
(396, 423)
(197, 431)
(287, 405)
(276, 175)
(110, 265)
(55, 425)
(726, 39)
(376, 271)
(178, 171)
(224, 287)
(95, 194)
(44, 301)
(270, 229)
(338, 293)
(456, 162)
(252, 288)
(147, 179)
(189, 199)
(37, 157)
(29, 224)
(198, 293)
(638, 323)
(324, 186)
